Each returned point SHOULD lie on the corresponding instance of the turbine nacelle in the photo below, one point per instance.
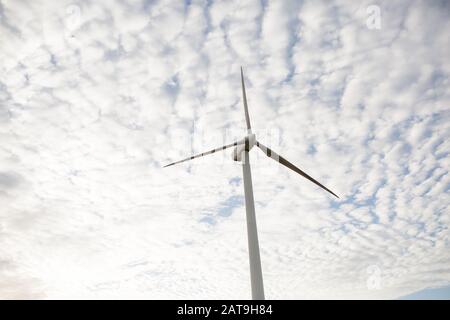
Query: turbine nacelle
(248, 142)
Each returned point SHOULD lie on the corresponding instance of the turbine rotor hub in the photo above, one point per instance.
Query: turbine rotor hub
(249, 142)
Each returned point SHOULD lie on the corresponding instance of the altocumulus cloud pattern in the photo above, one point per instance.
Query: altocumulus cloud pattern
(96, 96)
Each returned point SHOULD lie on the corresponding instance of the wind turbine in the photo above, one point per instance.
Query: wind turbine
(241, 153)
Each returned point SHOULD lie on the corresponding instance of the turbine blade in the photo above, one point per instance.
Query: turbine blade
(244, 96)
(272, 154)
(207, 152)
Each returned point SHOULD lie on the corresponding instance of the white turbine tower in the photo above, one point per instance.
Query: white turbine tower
(241, 153)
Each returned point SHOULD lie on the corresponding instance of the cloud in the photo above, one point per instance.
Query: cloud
(95, 98)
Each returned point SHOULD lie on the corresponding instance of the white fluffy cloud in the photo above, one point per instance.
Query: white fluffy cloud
(96, 97)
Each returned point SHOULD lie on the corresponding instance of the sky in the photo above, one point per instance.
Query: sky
(442, 293)
(96, 96)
